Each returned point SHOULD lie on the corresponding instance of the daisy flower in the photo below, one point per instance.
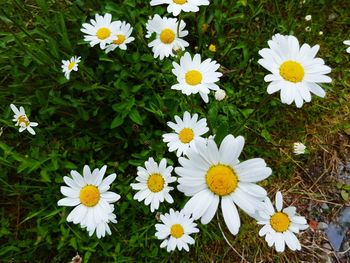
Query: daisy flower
(195, 76)
(210, 174)
(100, 31)
(69, 65)
(153, 183)
(176, 6)
(167, 38)
(279, 227)
(299, 148)
(90, 196)
(122, 36)
(22, 120)
(102, 227)
(295, 70)
(188, 131)
(176, 230)
(347, 42)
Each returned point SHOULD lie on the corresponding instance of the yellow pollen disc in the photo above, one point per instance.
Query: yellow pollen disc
(292, 71)
(280, 222)
(155, 183)
(120, 40)
(193, 77)
(71, 65)
(221, 179)
(186, 135)
(23, 120)
(167, 36)
(180, 2)
(103, 33)
(177, 231)
(89, 195)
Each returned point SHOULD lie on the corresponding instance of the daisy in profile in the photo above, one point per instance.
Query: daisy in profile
(100, 31)
(22, 120)
(347, 42)
(122, 37)
(188, 131)
(167, 38)
(294, 70)
(101, 228)
(70, 65)
(153, 183)
(299, 148)
(175, 230)
(280, 227)
(211, 174)
(195, 76)
(90, 196)
(177, 6)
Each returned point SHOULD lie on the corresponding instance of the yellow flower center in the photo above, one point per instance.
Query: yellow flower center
(193, 77)
(186, 135)
(103, 33)
(221, 179)
(155, 183)
(167, 36)
(292, 71)
(280, 222)
(89, 195)
(177, 231)
(23, 121)
(120, 40)
(180, 2)
(71, 65)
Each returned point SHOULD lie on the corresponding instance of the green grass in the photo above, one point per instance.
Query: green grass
(114, 111)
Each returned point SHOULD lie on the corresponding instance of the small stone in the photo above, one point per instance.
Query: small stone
(324, 206)
(322, 226)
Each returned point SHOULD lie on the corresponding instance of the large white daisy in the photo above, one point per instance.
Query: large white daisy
(168, 36)
(176, 6)
(101, 228)
(100, 31)
(22, 120)
(279, 227)
(90, 196)
(153, 183)
(347, 42)
(122, 36)
(295, 70)
(188, 131)
(195, 76)
(210, 174)
(70, 65)
(176, 230)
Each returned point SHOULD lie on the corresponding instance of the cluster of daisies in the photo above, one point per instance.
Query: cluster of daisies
(209, 174)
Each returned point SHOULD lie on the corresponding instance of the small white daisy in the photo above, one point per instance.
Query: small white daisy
(195, 76)
(90, 196)
(176, 6)
(295, 70)
(167, 37)
(308, 18)
(69, 65)
(153, 183)
(299, 148)
(279, 227)
(188, 131)
(102, 227)
(22, 120)
(122, 36)
(176, 230)
(211, 173)
(100, 31)
(347, 42)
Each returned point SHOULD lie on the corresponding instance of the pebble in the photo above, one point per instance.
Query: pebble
(324, 206)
